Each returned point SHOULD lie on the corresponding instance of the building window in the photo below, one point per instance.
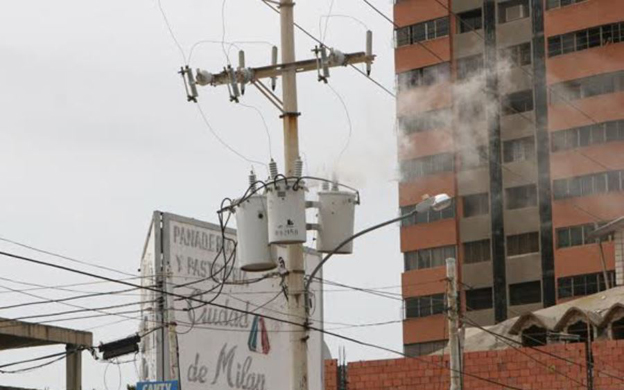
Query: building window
(421, 349)
(588, 135)
(424, 31)
(425, 166)
(425, 121)
(522, 244)
(519, 149)
(511, 10)
(470, 21)
(424, 306)
(478, 204)
(587, 87)
(574, 235)
(586, 185)
(429, 258)
(517, 102)
(479, 299)
(473, 158)
(469, 66)
(579, 285)
(525, 293)
(429, 216)
(477, 251)
(585, 39)
(521, 197)
(420, 77)
(519, 55)
(550, 4)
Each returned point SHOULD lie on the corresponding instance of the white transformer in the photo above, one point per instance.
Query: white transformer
(336, 214)
(286, 209)
(254, 251)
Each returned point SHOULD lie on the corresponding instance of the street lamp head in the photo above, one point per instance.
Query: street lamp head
(441, 201)
(435, 203)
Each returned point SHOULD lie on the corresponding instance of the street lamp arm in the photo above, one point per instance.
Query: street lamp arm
(348, 240)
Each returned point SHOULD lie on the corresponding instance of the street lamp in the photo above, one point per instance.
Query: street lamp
(436, 203)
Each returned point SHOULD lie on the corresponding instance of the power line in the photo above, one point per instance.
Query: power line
(473, 30)
(63, 257)
(543, 351)
(293, 323)
(532, 122)
(323, 44)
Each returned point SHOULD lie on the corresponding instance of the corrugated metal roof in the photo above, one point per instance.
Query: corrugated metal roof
(599, 309)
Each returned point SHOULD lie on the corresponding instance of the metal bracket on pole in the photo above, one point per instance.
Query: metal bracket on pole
(269, 95)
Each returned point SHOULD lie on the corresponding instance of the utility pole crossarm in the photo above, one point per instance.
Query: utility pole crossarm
(253, 74)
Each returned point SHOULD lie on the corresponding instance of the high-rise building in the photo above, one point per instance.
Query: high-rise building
(516, 109)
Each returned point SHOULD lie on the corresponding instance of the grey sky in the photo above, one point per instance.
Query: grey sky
(96, 134)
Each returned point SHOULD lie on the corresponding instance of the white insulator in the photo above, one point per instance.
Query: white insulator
(325, 186)
(273, 62)
(252, 180)
(253, 249)
(369, 50)
(335, 186)
(273, 169)
(336, 219)
(203, 77)
(286, 209)
(337, 57)
(298, 167)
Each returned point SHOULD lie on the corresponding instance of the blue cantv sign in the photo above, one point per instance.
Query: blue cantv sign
(169, 385)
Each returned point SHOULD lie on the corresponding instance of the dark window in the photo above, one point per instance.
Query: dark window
(582, 136)
(586, 185)
(576, 235)
(429, 165)
(478, 204)
(429, 258)
(428, 75)
(579, 285)
(581, 330)
(429, 216)
(420, 349)
(519, 55)
(519, 149)
(561, 3)
(424, 31)
(585, 39)
(469, 66)
(525, 293)
(520, 197)
(617, 329)
(534, 336)
(511, 10)
(479, 299)
(474, 158)
(470, 21)
(517, 102)
(521, 244)
(587, 87)
(424, 306)
(425, 121)
(476, 251)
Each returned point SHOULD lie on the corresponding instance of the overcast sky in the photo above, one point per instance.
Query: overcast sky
(96, 133)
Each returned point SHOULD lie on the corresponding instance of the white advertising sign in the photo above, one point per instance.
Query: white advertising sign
(217, 347)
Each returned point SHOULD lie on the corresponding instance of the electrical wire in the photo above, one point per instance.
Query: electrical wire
(222, 142)
(63, 257)
(323, 44)
(527, 72)
(508, 340)
(329, 14)
(346, 110)
(175, 40)
(427, 48)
